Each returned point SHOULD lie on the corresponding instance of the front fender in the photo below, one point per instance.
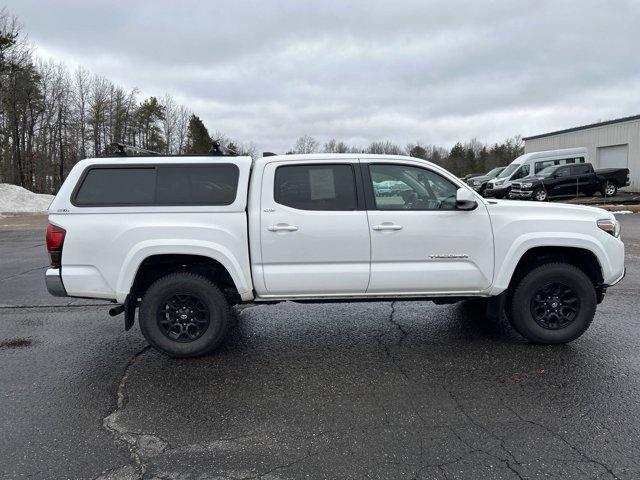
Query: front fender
(146, 249)
(526, 242)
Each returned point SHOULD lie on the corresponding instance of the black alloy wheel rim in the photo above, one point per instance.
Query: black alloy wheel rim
(183, 318)
(555, 306)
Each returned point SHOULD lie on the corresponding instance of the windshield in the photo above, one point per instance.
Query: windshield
(494, 173)
(546, 172)
(509, 170)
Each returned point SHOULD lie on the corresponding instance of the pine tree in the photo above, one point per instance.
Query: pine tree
(198, 138)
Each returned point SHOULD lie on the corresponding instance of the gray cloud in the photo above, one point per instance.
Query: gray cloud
(270, 71)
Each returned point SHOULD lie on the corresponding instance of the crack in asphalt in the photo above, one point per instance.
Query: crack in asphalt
(404, 333)
(23, 273)
(67, 305)
(138, 443)
(563, 439)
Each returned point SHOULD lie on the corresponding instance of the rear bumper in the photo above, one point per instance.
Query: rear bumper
(53, 280)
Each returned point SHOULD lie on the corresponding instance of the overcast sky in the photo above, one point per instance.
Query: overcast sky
(436, 72)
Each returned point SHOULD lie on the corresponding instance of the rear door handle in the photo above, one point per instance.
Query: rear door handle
(282, 227)
(387, 226)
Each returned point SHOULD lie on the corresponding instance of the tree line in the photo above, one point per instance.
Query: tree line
(463, 158)
(50, 118)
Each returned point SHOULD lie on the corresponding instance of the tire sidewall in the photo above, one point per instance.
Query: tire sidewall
(522, 318)
(184, 284)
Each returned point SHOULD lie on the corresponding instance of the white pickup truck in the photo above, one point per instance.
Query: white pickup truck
(183, 239)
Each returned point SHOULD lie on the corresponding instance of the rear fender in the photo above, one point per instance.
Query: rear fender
(212, 250)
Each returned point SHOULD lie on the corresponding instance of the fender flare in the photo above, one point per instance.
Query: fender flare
(529, 241)
(149, 248)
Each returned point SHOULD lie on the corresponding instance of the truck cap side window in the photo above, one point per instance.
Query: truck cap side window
(159, 185)
(207, 184)
(316, 187)
(117, 186)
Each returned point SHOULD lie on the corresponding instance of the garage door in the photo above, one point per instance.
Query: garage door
(616, 156)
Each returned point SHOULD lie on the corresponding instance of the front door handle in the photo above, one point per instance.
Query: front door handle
(387, 226)
(282, 227)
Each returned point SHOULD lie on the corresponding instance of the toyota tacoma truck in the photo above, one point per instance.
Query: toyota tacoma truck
(177, 241)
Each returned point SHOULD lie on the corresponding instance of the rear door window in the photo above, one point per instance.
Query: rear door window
(315, 187)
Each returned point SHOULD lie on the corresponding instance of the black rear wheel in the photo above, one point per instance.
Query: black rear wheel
(184, 315)
(554, 303)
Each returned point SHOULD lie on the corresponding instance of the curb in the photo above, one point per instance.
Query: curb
(619, 208)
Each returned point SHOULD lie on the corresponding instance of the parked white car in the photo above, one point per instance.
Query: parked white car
(181, 239)
(530, 164)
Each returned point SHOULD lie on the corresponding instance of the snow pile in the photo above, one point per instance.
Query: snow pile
(622, 212)
(14, 199)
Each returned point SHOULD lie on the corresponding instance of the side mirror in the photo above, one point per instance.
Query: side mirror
(465, 199)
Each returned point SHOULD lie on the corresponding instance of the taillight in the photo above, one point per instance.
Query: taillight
(55, 239)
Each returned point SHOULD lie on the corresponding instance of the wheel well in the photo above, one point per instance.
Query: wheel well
(158, 266)
(584, 259)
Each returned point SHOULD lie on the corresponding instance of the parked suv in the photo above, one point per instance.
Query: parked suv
(479, 183)
(182, 239)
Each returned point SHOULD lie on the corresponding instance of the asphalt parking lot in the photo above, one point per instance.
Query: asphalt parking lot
(368, 390)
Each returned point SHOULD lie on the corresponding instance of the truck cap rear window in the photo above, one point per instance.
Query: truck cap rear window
(159, 185)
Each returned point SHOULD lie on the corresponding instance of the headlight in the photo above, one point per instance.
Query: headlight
(477, 183)
(611, 226)
(498, 182)
(526, 185)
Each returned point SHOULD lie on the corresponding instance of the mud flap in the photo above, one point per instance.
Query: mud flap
(496, 306)
(129, 312)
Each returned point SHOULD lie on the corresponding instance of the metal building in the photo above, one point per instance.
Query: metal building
(614, 143)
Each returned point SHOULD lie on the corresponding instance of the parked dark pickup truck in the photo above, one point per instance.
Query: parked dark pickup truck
(569, 181)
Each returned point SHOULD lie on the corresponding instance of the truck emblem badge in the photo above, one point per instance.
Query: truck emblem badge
(448, 256)
(269, 210)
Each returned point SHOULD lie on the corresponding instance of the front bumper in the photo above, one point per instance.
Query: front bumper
(53, 280)
(497, 192)
(520, 194)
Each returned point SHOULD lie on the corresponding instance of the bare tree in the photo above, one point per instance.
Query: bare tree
(385, 147)
(306, 144)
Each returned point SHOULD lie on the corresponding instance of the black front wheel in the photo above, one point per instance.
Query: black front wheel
(554, 303)
(184, 315)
